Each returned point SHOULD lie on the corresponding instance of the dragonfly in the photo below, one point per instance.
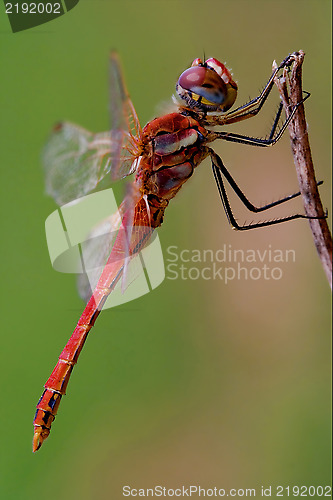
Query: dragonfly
(162, 156)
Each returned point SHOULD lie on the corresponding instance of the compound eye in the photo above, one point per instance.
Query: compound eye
(192, 77)
(205, 83)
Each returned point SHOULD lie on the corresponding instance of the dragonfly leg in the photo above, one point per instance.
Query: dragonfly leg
(276, 121)
(219, 171)
(259, 142)
(252, 107)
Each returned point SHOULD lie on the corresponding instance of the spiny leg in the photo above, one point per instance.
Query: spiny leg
(254, 141)
(224, 171)
(252, 107)
(218, 170)
(276, 121)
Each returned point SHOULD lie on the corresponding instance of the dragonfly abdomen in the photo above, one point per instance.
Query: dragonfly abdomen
(56, 385)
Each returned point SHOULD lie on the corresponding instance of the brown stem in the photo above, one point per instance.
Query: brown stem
(303, 161)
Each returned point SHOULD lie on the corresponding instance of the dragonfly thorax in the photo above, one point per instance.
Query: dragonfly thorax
(207, 86)
(173, 146)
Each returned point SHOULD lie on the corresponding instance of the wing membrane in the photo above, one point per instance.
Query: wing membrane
(114, 240)
(76, 160)
(95, 252)
(125, 126)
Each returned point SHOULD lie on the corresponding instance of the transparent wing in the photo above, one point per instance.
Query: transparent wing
(76, 160)
(125, 126)
(96, 250)
(115, 243)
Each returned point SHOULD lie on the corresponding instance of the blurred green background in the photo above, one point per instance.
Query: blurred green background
(198, 382)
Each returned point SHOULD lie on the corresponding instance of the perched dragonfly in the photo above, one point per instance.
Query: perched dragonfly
(162, 156)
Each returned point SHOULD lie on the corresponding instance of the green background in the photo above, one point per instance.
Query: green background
(197, 382)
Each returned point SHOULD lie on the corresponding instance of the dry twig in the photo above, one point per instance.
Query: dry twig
(303, 160)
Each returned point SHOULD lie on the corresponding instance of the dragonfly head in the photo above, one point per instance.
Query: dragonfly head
(207, 86)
